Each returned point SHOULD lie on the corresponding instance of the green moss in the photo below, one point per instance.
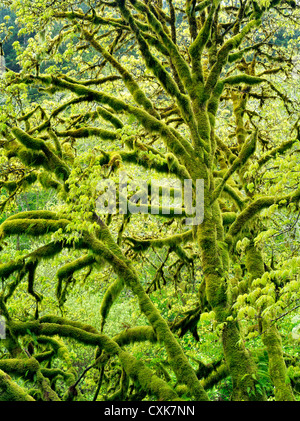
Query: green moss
(56, 142)
(243, 78)
(48, 182)
(31, 155)
(30, 179)
(30, 158)
(214, 377)
(145, 377)
(62, 321)
(31, 266)
(19, 366)
(248, 148)
(135, 369)
(270, 336)
(109, 298)
(60, 349)
(31, 227)
(10, 391)
(247, 214)
(117, 123)
(241, 365)
(85, 132)
(65, 273)
(6, 269)
(10, 185)
(228, 217)
(180, 64)
(54, 373)
(136, 334)
(48, 393)
(36, 214)
(277, 367)
(29, 141)
(180, 364)
(138, 95)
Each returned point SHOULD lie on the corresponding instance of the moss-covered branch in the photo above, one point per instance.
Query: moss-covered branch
(285, 146)
(171, 241)
(135, 369)
(222, 55)
(176, 144)
(31, 227)
(136, 334)
(247, 150)
(85, 132)
(181, 367)
(11, 391)
(256, 206)
(50, 159)
(179, 62)
(159, 71)
(136, 92)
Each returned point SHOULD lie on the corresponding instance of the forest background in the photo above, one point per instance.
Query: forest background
(133, 307)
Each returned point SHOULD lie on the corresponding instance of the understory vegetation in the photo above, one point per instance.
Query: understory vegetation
(155, 300)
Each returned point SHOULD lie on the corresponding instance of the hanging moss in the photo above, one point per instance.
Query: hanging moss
(46, 158)
(223, 53)
(109, 298)
(277, 367)
(31, 266)
(10, 185)
(11, 287)
(75, 266)
(161, 74)
(228, 217)
(62, 321)
(145, 377)
(234, 194)
(54, 373)
(180, 64)
(138, 95)
(29, 157)
(176, 143)
(56, 142)
(170, 241)
(65, 273)
(247, 150)
(276, 151)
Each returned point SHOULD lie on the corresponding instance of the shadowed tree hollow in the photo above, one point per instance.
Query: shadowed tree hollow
(164, 91)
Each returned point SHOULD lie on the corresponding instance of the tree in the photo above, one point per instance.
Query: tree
(173, 88)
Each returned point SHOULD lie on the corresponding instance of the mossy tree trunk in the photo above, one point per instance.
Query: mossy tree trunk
(176, 133)
(270, 335)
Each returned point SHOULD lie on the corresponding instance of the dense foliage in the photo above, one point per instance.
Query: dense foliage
(140, 305)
